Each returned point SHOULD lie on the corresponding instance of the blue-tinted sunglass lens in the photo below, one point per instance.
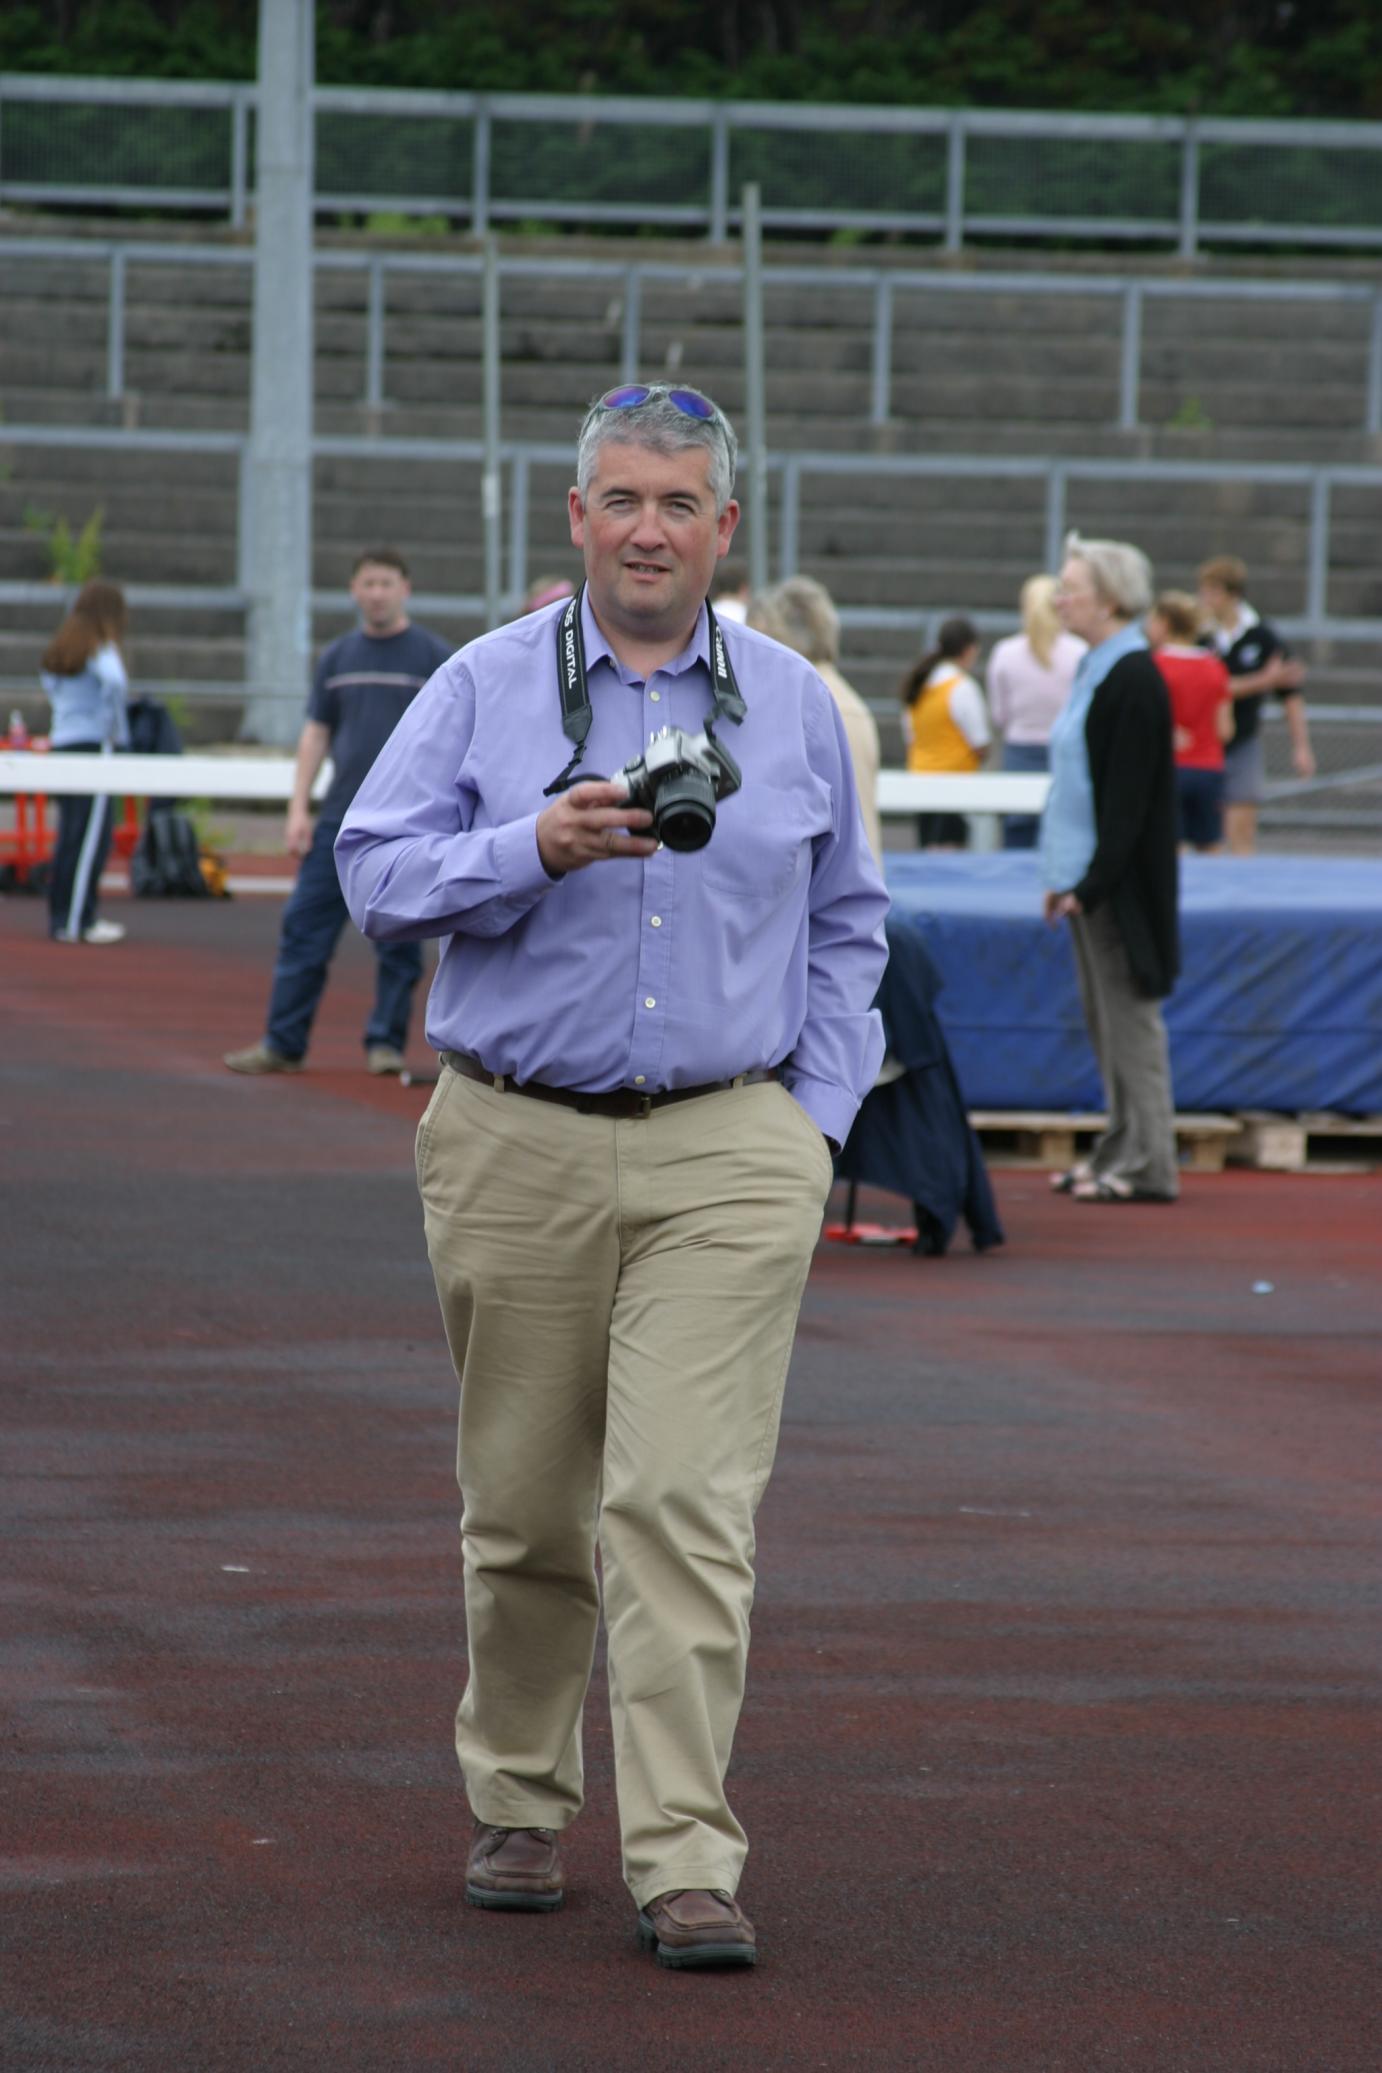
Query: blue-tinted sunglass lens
(625, 399)
(691, 403)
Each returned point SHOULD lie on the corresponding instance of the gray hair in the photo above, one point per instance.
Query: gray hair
(806, 614)
(660, 426)
(1120, 573)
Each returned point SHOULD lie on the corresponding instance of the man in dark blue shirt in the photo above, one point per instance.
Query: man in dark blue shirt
(363, 685)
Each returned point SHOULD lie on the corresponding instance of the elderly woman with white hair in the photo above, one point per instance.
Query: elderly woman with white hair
(1108, 854)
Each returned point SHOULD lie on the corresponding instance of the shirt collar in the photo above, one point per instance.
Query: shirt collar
(1096, 662)
(1225, 636)
(598, 649)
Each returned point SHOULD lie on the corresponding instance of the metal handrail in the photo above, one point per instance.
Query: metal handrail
(883, 285)
(519, 456)
(720, 121)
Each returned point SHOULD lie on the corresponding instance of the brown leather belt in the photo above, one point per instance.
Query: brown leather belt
(619, 1101)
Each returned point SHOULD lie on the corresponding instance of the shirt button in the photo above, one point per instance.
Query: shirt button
(650, 1002)
(639, 1078)
(656, 697)
(656, 922)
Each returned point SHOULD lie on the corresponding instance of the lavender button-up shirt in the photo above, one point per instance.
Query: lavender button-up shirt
(666, 971)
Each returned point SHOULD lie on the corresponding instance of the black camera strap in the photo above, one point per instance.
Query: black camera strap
(576, 710)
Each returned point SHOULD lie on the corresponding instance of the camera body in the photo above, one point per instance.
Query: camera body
(679, 779)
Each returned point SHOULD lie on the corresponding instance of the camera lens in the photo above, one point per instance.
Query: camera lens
(684, 810)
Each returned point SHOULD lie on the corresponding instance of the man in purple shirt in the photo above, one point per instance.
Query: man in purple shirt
(648, 1053)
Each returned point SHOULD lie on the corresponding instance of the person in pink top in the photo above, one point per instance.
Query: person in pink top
(1029, 678)
(1202, 715)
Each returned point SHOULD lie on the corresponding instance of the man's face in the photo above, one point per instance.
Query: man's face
(651, 538)
(1218, 604)
(381, 595)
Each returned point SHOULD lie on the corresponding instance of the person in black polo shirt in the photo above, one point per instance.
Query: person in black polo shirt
(1258, 663)
(363, 685)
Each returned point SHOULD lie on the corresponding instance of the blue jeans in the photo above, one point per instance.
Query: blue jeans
(312, 922)
(1020, 829)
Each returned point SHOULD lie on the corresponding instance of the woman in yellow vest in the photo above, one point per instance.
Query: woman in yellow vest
(945, 723)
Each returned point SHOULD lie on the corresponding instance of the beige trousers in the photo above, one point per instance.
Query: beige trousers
(1129, 1039)
(620, 1299)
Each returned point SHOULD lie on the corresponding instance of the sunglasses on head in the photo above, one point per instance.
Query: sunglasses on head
(690, 402)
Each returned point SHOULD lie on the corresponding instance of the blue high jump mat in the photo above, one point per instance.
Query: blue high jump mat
(1278, 1006)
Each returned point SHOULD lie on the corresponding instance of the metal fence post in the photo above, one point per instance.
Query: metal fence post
(955, 183)
(479, 170)
(115, 327)
(374, 335)
(789, 518)
(1317, 577)
(1130, 378)
(754, 390)
(1372, 416)
(244, 521)
(490, 485)
(1055, 517)
(1190, 190)
(882, 350)
(518, 528)
(633, 324)
(239, 156)
(719, 176)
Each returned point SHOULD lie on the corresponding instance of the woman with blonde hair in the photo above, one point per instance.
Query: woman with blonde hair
(1029, 679)
(801, 614)
(83, 677)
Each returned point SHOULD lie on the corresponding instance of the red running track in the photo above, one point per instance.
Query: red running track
(1061, 1750)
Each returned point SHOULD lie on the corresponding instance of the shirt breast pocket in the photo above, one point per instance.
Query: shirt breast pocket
(758, 852)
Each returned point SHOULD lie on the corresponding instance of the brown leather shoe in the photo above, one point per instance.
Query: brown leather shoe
(695, 1928)
(516, 1868)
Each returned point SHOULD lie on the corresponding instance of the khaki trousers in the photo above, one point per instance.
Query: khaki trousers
(620, 1299)
(1129, 1039)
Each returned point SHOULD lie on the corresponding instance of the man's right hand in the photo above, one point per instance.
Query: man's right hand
(587, 826)
(297, 831)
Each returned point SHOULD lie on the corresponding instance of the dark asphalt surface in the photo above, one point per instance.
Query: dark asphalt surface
(1061, 1752)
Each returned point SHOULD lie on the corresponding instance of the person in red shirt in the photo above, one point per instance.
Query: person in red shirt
(1202, 714)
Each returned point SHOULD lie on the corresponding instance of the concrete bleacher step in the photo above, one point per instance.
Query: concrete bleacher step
(1017, 373)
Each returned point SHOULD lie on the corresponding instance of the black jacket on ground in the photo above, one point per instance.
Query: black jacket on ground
(1132, 768)
(912, 1135)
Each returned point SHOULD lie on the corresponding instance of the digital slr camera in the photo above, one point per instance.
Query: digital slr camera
(678, 779)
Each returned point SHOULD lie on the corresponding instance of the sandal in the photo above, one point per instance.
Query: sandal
(1104, 1188)
(1067, 1182)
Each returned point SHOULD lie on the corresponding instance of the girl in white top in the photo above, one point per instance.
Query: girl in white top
(83, 675)
(1029, 679)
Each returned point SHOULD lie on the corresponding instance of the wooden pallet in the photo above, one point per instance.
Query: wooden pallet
(1051, 1137)
(1315, 1139)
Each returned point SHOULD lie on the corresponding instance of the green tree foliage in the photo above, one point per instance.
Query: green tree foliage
(1229, 57)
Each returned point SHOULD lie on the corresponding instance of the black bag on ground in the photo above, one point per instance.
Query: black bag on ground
(166, 864)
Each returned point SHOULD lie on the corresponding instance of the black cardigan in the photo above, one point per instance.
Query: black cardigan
(1132, 769)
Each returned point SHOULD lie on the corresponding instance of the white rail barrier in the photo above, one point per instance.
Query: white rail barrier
(271, 777)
